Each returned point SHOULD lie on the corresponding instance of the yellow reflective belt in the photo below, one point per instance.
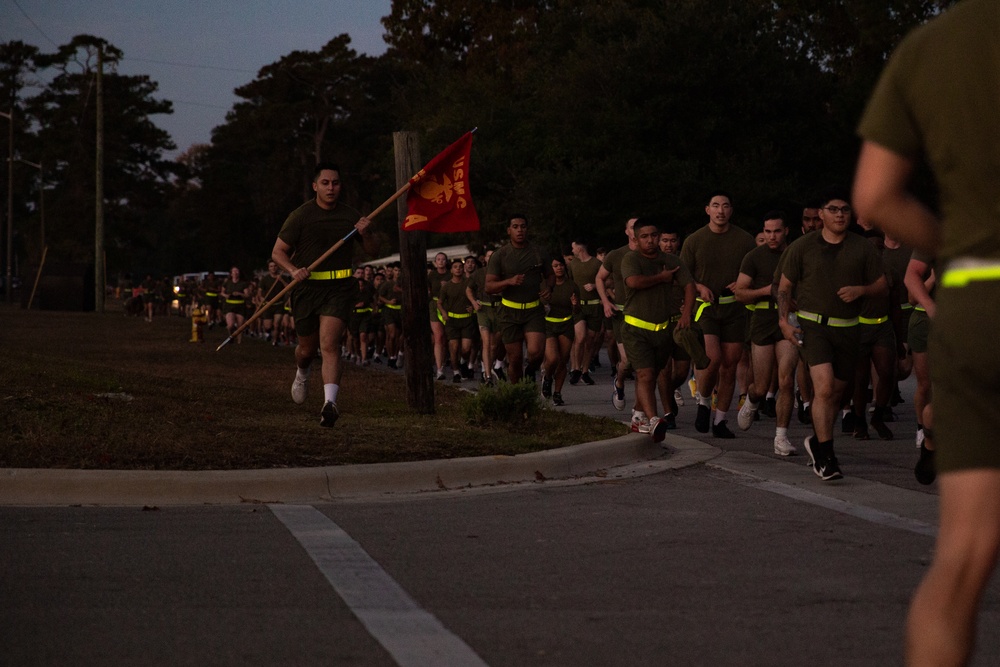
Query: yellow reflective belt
(906, 306)
(393, 306)
(557, 320)
(362, 310)
(211, 294)
(920, 309)
(235, 301)
(701, 309)
(764, 305)
(592, 302)
(331, 275)
(459, 316)
(519, 306)
(723, 300)
(873, 320)
(961, 277)
(828, 321)
(643, 324)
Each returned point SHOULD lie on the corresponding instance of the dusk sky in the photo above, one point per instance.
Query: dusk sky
(198, 51)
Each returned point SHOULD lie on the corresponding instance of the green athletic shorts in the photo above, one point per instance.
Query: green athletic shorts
(967, 381)
(459, 328)
(919, 332)
(764, 328)
(645, 348)
(514, 323)
(486, 318)
(593, 315)
(328, 298)
(727, 321)
(877, 335)
(839, 346)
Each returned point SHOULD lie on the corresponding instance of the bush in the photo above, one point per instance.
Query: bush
(511, 405)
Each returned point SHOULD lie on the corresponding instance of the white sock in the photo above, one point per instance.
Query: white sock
(302, 374)
(806, 404)
(498, 365)
(720, 416)
(330, 392)
(780, 432)
(770, 395)
(707, 402)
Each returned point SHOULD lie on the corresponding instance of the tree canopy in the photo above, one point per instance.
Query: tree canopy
(588, 112)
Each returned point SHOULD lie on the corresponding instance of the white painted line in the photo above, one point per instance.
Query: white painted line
(844, 507)
(411, 635)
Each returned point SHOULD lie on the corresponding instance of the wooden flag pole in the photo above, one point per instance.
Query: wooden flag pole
(336, 246)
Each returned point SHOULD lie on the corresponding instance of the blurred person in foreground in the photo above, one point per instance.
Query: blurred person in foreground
(936, 102)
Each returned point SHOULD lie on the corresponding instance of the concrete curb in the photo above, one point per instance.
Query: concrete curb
(310, 485)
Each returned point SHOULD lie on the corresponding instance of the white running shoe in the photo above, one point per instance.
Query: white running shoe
(299, 390)
(783, 446)
(678, 399)
(745, 417)
(640, 423)
(920, 437)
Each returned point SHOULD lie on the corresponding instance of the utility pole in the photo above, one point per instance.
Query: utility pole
(99, 178)
(8, 287)
(41, 200)
(419, 365)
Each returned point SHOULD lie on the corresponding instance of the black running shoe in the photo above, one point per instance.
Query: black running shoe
(702, 418)
(720, 430)
(500, 374)
(587, 379)
(547, 386)
(878, 423)
(847, 423)
(574, 377)
(670, 421)
(768, 408)
(329, 414)
(925, 471)
(557, 399)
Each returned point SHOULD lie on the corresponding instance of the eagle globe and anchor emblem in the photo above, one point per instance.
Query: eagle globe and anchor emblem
(439, 191)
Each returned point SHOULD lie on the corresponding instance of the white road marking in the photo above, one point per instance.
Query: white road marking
(411, 635)
(859, 511)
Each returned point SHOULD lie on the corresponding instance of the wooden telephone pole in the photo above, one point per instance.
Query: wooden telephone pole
(419, 357)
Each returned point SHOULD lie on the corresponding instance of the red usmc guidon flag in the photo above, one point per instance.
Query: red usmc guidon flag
(439, 199)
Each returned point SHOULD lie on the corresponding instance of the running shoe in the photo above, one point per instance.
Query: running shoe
(878, 423)
(746, 416)
(587, 379)
(678, 399)
(671, 421)
(783, 446)
(457, 378)
(824, 465)
(618, 398)
(657, 429)
(557, 399)
(574, 376)
(299, 391)
(702, 419)
(721, 430)
(546, 386)
(328, 416)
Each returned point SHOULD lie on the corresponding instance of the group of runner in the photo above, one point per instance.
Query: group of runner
(831, 321)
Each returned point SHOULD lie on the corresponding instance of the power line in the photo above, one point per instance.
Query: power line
(166, 62)
(30, 20)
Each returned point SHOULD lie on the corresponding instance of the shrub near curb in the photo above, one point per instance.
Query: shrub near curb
(513, 405)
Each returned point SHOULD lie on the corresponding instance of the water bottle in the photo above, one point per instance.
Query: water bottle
(793, 319)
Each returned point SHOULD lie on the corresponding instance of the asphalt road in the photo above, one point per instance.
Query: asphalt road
(745, 559)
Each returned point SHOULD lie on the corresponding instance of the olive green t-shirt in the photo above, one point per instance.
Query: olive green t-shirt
(819, 269)
(760, 264)
(435, 280)
(452, 297)
(560, 304)
(714, 259)
(896, 260)
(585, 273)
(387, 291)
(311, 230)
(508, 261)
(937, 100)
(613, 265)
(651, 304)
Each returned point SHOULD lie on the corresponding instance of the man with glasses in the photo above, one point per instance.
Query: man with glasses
(830, 273)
